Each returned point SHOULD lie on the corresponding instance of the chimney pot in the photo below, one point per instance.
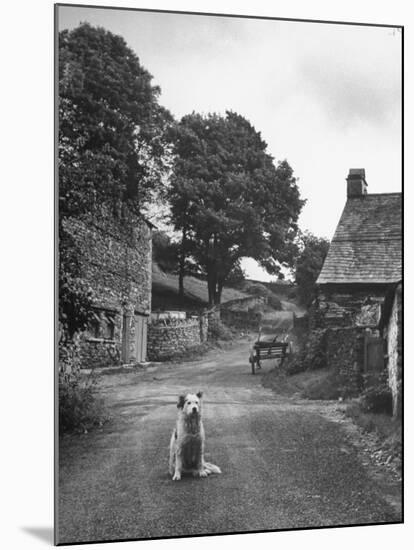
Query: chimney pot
(356, 183)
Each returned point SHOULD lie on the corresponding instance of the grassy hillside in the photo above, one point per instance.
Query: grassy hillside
(165, 292)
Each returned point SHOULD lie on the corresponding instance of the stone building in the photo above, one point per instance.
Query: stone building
(391, 329)
(114, 256)
(364, 258)
(362, 267)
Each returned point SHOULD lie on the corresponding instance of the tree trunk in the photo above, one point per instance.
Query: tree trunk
(219, 292)
(181, 282)
(211, 288)
(182, 267)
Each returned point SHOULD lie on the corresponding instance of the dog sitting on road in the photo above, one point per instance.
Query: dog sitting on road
(187, 440)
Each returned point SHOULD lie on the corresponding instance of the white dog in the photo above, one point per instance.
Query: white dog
(187, 440)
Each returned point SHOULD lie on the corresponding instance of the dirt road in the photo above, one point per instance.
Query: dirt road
(284, 464)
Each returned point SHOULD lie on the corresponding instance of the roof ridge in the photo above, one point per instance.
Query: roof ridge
(375, 195)
(356, 239)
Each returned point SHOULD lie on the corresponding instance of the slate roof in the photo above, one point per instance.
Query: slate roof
(367, 245)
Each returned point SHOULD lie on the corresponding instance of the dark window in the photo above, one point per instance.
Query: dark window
(102, 325)
(95, 325)
(108, 326)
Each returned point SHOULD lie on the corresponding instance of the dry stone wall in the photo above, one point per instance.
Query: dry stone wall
(393, 335)
(241, 319)
(169, 339)
(244, 304)
(242, 313)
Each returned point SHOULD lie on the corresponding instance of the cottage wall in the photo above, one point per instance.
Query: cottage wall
(345, 312)
(115, 258)
(393, 335)
(347, 306)
(345, 355)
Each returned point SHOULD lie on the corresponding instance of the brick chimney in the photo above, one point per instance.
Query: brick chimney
(356, 184)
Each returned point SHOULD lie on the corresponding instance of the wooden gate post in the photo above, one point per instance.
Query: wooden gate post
(126, 333)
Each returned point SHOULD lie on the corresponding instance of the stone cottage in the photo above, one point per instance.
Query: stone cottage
(362, 267)
(391, 329)
(115, 258)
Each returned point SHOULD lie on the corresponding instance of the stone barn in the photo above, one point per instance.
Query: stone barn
(115, 257)
(391, 329)
(362, 267)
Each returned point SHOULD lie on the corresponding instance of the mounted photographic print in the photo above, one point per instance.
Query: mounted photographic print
(229, 267)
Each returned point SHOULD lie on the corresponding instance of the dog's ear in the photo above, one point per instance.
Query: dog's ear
(181, 401)
(200, 394)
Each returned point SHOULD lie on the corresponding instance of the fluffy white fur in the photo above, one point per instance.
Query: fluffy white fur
(187, 440)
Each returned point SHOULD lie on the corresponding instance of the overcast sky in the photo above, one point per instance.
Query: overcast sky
(325, 97)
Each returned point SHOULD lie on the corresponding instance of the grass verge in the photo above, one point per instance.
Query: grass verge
(324, 384)
(316, 384)
(387, 429)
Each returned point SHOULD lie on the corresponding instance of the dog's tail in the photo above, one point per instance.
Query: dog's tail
(211, 468)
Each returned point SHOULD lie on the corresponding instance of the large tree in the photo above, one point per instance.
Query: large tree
(229, 200)
(112, 145)
(113, 149)
(309, 262)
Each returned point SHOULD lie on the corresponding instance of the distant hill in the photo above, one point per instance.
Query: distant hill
(285, 291)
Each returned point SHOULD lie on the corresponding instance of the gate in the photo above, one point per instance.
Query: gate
(141, 326)
(134, 338)
(374, 356)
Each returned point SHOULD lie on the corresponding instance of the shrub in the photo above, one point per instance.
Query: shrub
(219, 331)
(327, 386)
(377, 397)
(312, 354)
(79, 407)
(274, 302)
(256, 289)
(292, 294)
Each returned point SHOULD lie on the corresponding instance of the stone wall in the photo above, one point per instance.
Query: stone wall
(168, 339)
(347, 305)
(345, 355)
(115, 258)
(95, 353)
(393, 336)
(241, 319)
(244, 304)
(242, 313)
(346, 312)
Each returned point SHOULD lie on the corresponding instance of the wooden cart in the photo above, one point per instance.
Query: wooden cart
(262, 350)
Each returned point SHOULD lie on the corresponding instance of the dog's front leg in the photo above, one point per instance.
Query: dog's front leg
(200, 470)
(173, 452)
(178, 467)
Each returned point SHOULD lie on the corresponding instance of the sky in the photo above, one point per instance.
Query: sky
(326, 97)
